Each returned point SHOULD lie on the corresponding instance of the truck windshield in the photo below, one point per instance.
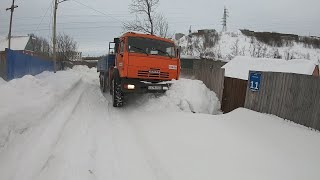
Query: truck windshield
(151, 47)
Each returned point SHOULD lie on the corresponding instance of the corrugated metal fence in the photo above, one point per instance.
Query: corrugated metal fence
(290, 96)
(17, 64)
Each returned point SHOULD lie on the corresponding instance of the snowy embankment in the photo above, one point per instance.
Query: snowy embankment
(63, 127)
(26, 100)
(232, 44)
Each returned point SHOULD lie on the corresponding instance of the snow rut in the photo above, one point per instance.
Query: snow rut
(34, 147)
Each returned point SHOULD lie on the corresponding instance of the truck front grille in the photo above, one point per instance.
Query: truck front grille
(153, 73)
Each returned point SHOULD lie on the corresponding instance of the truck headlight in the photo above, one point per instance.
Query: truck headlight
(129, 86)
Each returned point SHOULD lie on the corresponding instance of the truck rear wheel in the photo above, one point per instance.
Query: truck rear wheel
(103, 82)
(117, 94)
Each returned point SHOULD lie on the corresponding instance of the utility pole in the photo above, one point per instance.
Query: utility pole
(54, 38)
(224, 19)
(10, 27)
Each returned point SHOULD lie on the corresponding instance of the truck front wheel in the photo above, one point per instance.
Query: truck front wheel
(117, 94)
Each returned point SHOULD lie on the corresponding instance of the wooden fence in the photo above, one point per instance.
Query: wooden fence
(234, 94)
(3, 65)
(289, 96)
(212, 76)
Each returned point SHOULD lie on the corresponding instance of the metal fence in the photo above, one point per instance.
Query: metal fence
(15, 64)
(290, 96)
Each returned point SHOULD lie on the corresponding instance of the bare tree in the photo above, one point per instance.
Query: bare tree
(67, 47)
(147, 19)
(39, 45)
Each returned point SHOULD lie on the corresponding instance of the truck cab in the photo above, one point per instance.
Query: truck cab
(143, 64)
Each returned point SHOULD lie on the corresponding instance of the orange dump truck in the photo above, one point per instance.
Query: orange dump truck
(138, 63)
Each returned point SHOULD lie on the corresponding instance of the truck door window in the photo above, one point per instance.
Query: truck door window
(121, 47)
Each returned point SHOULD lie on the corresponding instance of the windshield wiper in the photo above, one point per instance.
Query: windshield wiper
(164, 52)
(142, 50)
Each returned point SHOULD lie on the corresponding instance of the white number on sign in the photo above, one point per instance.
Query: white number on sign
(254, 85)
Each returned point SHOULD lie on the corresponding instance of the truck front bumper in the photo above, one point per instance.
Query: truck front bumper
(138, 86)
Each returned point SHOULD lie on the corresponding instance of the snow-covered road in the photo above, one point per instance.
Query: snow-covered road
(62, 127)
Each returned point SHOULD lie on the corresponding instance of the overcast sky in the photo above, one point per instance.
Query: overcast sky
(96, 22)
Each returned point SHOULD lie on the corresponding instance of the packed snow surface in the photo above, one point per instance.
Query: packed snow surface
(60, 126)
(240, 66)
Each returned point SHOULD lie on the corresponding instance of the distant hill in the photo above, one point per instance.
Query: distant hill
(225, 46)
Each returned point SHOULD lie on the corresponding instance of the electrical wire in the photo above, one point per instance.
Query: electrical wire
(50, 6)
(106, 14)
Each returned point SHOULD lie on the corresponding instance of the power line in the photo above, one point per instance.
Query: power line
(106, 14)
(50, 5)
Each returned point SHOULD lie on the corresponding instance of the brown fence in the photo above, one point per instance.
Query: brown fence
(3, 65)
(234, 94)
(211, 76)
(289, 96)
(187, 73)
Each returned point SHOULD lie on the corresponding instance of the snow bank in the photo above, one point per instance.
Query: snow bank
(240, 66)
(33, 96)
(2, 81)
(243, 145)
(184, 95)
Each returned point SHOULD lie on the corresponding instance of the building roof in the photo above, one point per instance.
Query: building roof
(240, 66)
(17, 42)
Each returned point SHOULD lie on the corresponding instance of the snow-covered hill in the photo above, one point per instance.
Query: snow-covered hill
(227, 45)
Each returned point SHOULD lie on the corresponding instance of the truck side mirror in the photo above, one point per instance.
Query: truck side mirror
(179, 51)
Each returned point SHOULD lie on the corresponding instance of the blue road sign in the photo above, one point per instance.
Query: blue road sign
(254, 81)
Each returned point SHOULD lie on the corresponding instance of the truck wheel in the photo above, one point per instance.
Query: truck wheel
(117, 94)
(102, 83)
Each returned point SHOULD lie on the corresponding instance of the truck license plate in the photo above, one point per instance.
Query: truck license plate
(154, 87)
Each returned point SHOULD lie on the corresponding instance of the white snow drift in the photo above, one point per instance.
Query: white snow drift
(60, 126)
(240, 66)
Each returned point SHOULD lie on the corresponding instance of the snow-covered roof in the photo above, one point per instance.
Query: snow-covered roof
(240, 66)
(189, 57)
(17, 42)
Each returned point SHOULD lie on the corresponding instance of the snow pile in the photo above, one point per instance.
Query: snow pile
(32, 95)
(240, 66)
(231, 44)
(243, 145)
(184, 95)
(2, 82)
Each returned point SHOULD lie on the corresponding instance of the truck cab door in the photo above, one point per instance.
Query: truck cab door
(120, 58)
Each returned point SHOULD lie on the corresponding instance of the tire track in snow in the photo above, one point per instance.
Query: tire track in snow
(124, 132)
(34, 147)
(12, 130)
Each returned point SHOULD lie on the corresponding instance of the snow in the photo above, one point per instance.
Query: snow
(17, 43)
(2, 81)
(225, 49)
(60, 126)
(184, 95)
(240, 66)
